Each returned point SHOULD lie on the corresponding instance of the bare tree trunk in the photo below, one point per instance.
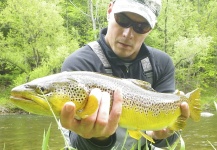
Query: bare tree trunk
(90, 4)
(165, 29)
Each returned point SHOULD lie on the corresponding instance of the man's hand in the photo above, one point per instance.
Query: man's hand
(102, 124)
(162, 134)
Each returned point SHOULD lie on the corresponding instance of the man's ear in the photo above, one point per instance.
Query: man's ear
(109, 9)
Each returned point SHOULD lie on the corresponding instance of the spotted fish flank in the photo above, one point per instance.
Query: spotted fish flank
(142, 109)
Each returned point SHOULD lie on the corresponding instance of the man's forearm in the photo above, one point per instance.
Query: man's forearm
(164, 142)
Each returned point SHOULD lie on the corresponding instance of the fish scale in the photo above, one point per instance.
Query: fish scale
(142, 108)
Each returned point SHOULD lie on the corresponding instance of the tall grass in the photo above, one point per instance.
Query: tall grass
(4, 147)
(211, 145)
(46, 137)
(59, 126)
(215, 104)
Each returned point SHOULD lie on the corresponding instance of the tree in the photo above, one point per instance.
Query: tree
(33, 38)
(88, 17)
(178, 34)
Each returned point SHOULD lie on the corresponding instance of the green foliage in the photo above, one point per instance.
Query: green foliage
(46, 137)
(77, 14)
(2, 4)
(4, 95)
(208, 97)
(35, 41)
(188, 53)
(181, 33)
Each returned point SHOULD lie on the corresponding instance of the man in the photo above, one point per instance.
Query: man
(129, 23)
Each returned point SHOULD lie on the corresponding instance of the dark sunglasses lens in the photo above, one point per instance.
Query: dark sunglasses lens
(141, 27)
(125, 22)
(122, 20)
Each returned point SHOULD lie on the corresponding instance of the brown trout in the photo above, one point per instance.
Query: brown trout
(142, 109)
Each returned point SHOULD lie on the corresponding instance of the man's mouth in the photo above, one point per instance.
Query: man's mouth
(124, 44)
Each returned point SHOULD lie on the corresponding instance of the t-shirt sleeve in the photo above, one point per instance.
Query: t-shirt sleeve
(164, 78)
(84, 59)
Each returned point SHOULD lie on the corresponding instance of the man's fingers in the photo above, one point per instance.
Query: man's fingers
(185, 110)
(97, 93)
(67, 113)
(88, 123)
(116, 110)
(104, 109)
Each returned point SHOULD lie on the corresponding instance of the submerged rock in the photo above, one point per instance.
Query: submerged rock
(206, 114)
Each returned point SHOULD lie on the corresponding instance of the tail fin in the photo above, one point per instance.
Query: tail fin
(194, 104)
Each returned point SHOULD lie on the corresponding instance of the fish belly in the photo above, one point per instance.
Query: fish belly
(137, 120)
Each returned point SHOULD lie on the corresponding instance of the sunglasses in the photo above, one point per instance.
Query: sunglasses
(126, 22)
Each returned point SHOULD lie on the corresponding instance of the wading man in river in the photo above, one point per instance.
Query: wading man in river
(120, 51)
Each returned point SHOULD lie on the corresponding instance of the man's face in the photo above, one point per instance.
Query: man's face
(125, 42)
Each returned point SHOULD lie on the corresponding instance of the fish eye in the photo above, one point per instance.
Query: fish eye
(41, 90)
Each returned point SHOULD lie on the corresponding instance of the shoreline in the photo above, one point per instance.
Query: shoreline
(8, 111)
(4, 110)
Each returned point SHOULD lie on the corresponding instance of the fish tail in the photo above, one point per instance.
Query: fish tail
(195, 110)
(194, 104)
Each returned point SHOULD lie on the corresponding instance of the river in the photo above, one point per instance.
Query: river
(25, 132)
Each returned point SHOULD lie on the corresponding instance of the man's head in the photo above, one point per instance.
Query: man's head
(129, 23)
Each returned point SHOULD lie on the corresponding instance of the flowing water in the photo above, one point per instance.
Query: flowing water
(25, 132)
(199, 135)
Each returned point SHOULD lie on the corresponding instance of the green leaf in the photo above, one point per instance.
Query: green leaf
(46, 137)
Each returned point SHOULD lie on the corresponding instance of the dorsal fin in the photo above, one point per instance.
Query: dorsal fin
(143, 84)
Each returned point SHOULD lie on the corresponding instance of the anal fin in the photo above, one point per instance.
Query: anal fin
(179, 124)
(136, 134)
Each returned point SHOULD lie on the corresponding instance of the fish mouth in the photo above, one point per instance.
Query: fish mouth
(19, 98)
(23, 98)
(31, 103)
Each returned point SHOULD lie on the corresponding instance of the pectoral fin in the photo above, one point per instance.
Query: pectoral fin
(138, 134)
(89, 108)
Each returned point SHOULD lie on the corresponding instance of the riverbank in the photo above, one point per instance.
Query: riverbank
(5, 110)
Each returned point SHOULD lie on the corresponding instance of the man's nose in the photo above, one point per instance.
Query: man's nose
(128, 32)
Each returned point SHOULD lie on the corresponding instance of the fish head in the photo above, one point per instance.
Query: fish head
(42, 94)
